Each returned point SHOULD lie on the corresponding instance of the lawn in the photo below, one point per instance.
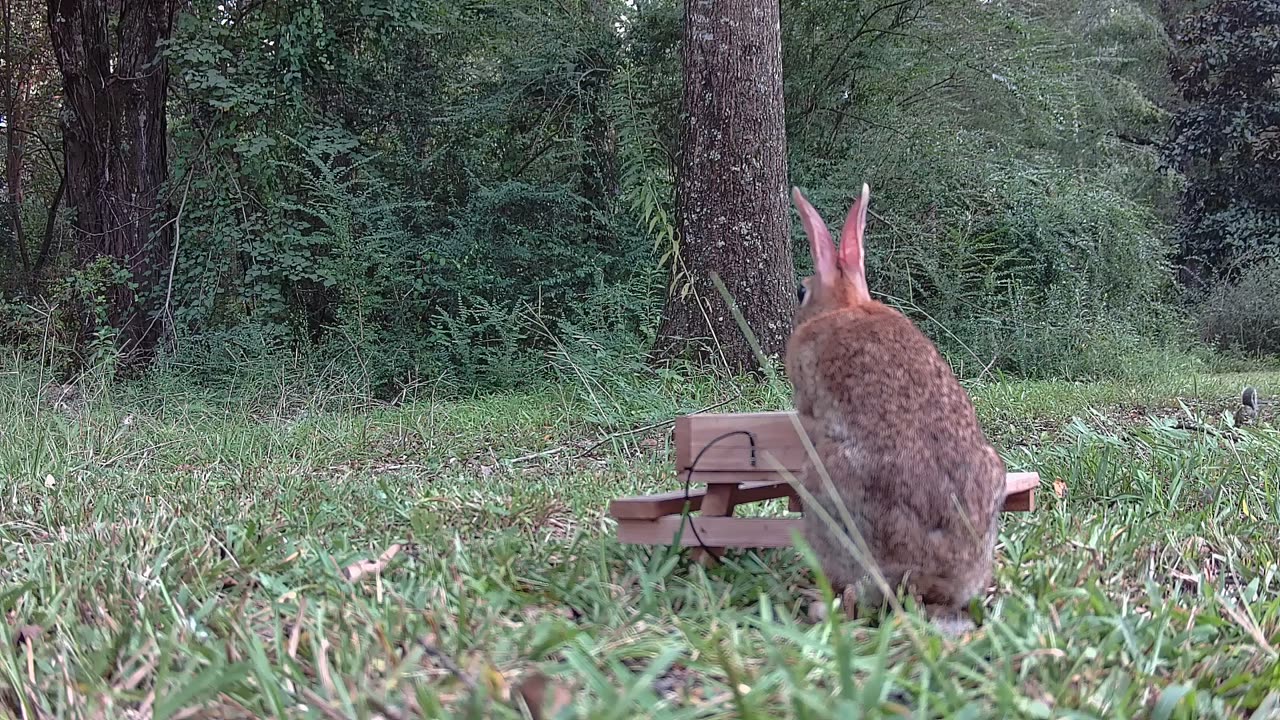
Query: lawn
(282, 548)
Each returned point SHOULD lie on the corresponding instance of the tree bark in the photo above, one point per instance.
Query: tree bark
(731, 196)
(17, 79)
(599, 167)
(14, 126)
(116, 82)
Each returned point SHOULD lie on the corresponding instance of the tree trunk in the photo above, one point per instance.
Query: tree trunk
(16, 91)
(731, 195)
(115, 83)
(599, 170)
(14, 127)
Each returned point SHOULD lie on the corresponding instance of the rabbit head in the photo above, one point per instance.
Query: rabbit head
(839, 281)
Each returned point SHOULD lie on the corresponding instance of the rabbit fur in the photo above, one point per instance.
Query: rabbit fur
(897, 435)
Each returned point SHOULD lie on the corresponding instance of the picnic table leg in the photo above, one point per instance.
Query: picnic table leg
(719, 502)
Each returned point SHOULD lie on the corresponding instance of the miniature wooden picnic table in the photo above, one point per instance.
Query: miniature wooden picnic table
(722, 454)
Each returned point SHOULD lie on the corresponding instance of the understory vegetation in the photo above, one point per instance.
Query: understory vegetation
(280, 549)
(432, 188)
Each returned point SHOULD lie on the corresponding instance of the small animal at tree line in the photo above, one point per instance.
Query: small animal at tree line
(1249, 405)
(897, 435)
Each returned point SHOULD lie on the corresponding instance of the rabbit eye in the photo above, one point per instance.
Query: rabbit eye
(802, 293)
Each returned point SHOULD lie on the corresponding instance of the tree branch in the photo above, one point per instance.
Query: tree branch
(1135, 140)
(50, 224)
(54, 161)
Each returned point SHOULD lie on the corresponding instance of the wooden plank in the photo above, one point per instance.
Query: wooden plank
(1019, 482)
(1020, 491)
(730, 458)
(725, 446)
(736, 477)
(1020, 487)
(772, 431)
(650, 507)
(1020, 497)
(1020, 502)
(713, 531)
(719, 502)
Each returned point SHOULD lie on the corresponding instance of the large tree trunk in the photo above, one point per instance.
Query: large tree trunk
(599, 169)
(731, 196)
(15, 125)
(116, 82)
(17, 89)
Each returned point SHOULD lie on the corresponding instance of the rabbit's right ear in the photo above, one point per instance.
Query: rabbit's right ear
(852, 260)
(821, 248)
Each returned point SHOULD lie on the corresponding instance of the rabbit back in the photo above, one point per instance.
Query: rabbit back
(901, 443)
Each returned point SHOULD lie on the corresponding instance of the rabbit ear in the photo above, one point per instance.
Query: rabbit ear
(851, 256)
(820, 245)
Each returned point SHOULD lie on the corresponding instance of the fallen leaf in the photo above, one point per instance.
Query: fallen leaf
(27, 635)
(355, 571)
(533, 690)
(1059, 488)
(487, 673)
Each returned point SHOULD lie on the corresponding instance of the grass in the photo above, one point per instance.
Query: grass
(175, 550)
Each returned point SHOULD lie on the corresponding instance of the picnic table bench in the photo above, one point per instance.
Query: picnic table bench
(723, 456)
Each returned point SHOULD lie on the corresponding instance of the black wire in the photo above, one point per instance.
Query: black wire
(688, 477)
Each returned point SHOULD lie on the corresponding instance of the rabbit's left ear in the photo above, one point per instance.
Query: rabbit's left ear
(852, 260)
(821, 248)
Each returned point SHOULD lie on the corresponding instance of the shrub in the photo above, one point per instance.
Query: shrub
(1033, 269)
(1244, 316)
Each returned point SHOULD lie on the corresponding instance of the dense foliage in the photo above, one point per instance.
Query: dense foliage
(413, 188)
(1226, 141)
(1227, 137)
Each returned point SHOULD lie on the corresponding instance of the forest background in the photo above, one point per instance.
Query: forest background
(396, 190)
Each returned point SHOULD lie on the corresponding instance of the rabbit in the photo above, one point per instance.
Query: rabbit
(897, 434)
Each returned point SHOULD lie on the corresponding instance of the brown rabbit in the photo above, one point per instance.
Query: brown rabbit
(897, 435)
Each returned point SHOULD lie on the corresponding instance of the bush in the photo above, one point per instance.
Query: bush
(1032, 269)
(66, 328)
(1244, 316)
(345, 269)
